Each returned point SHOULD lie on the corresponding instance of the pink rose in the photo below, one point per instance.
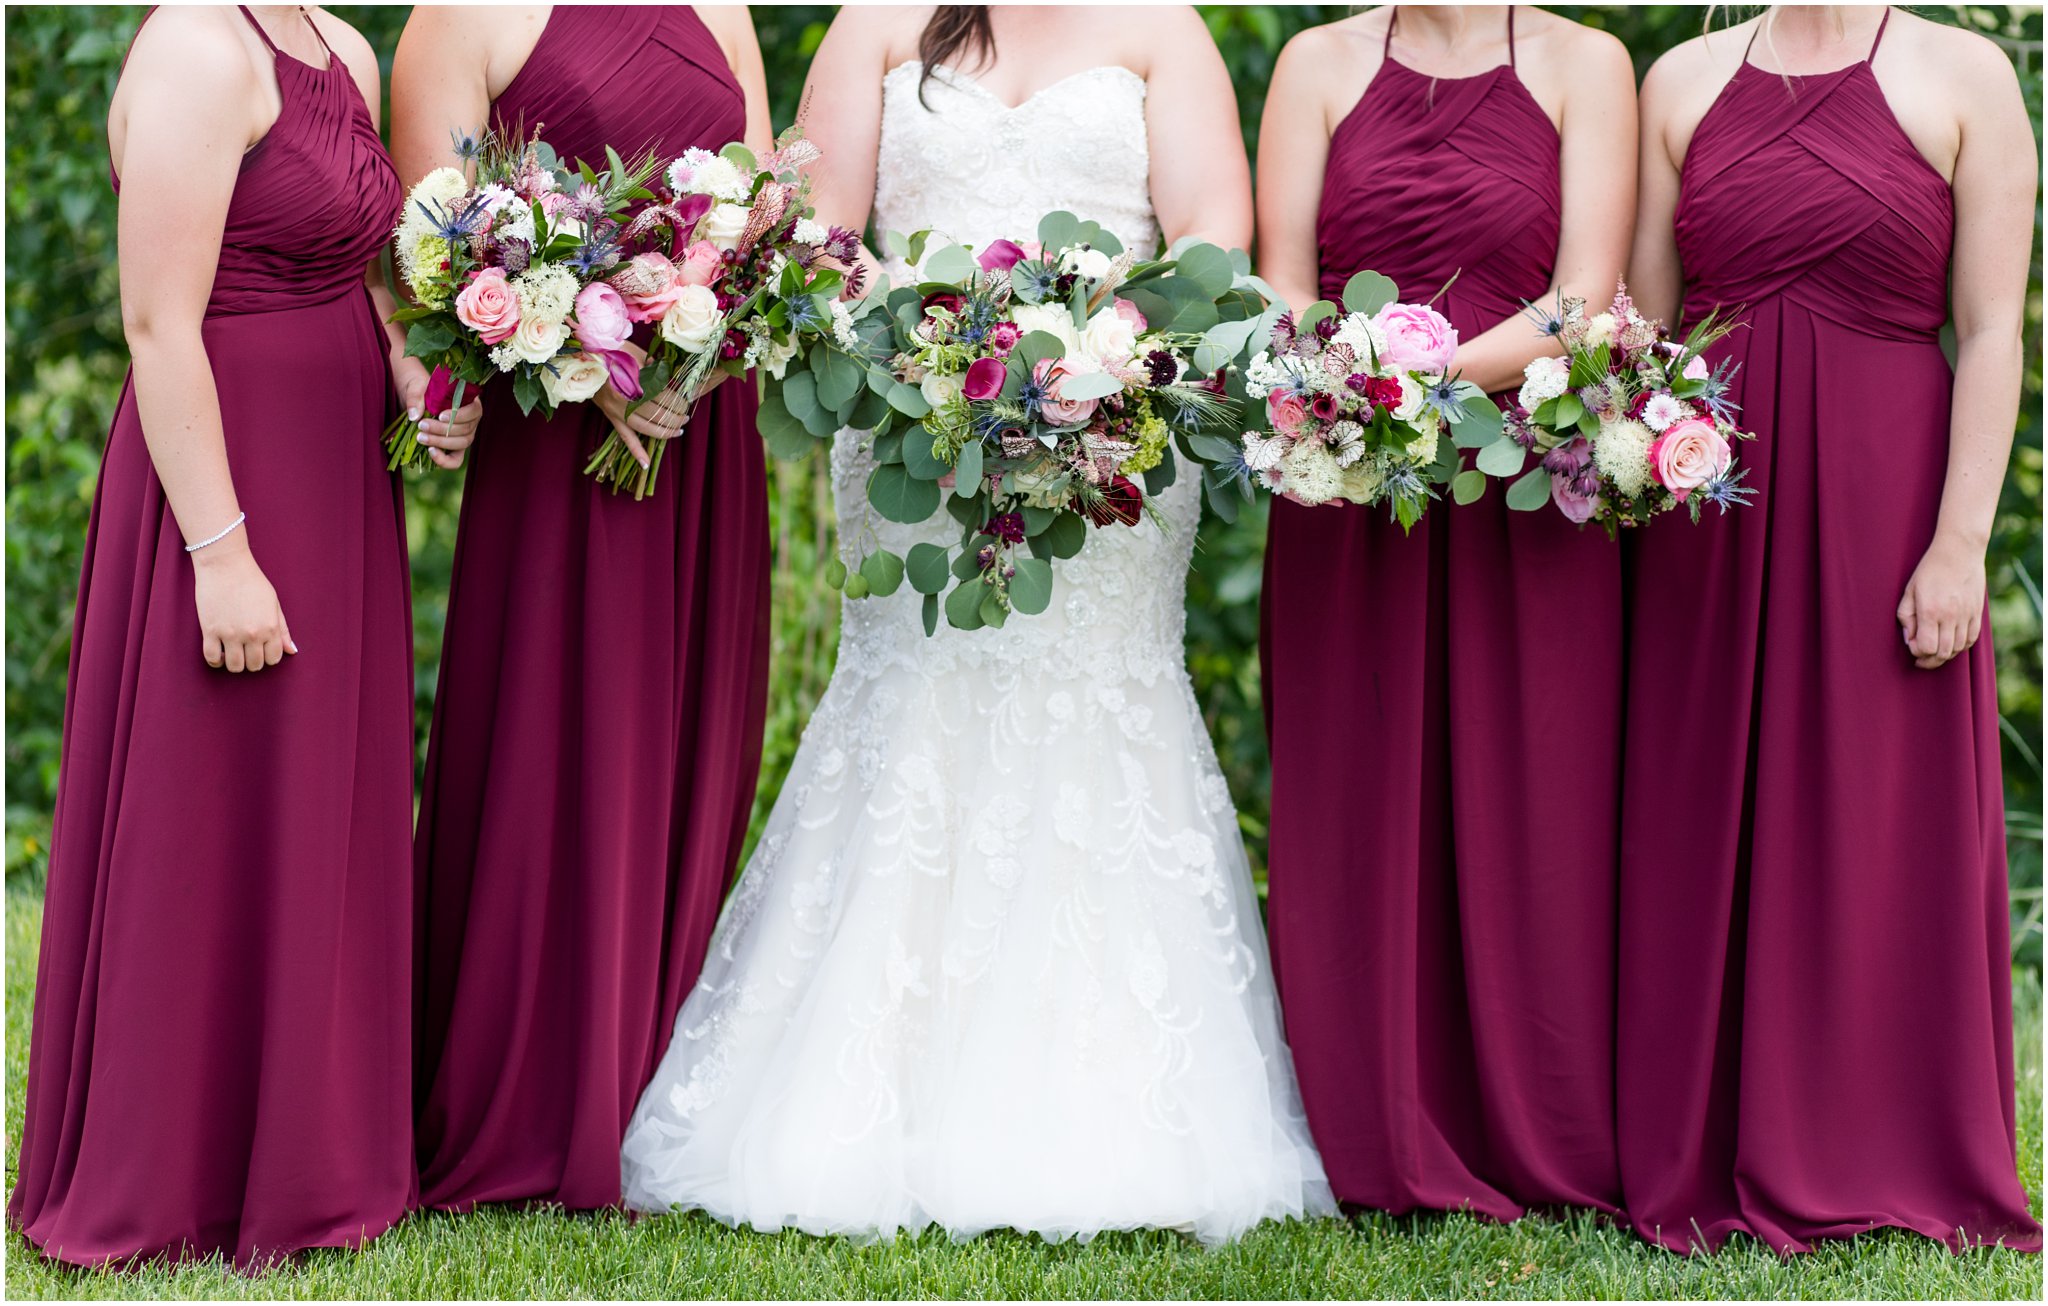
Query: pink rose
(1286, 412)
(1418, 338)
(985, 378)
(647, 285)
(1032, 250)
(1000, 255)
(601, 321)
(701, 264)
(1696, 368)
(1128, 311)
(1053, 409)
(1575, 506)
(488, 307)
(1689, 455)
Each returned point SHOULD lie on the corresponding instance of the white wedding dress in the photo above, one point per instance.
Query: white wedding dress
(997, 961)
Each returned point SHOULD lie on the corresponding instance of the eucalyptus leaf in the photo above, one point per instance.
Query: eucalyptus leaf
(963, 605)
(967, 469)
(1531, 492)
(931, 615)
(901, 497)
(1468, 486)
(907, 400)
(952, 264)
(1502, 458)
(1057, 230)
(884, 572)
(1031, 587)
(784, 435)
(1369, 292)
(1090, 385)
(1066, 535)
(1478, 424)
(840, 377)
(918, 458)
(993, 613)
(1208, 267)
(927, 567)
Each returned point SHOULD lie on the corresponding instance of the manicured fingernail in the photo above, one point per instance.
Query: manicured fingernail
(448, 415)
(413, 414)
(644, 462)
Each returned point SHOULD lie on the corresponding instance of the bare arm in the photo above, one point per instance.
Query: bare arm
(1941, 613)
(843, 108)
(1597, 157)
(1294, 151)
(190, 94)
(733, 25)
(1201, 183)
(1655, 278)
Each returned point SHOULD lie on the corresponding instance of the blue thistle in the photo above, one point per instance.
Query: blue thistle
(455, 223)
(1549, 322)
(1034, 282)
(1724, 492)
(1032, 395)
(594, 255)
(1441, 398)
(804, 315)
(1715, 395)
(470, 146)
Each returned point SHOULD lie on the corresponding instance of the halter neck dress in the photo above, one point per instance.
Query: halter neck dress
(219, 1060)
(1442, 864)
(598, 724)
(1815, 1003)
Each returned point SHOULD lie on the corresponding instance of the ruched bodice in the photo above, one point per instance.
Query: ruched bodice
(315, 198)
(1858, 227)
(633, 77)
(1430, 178)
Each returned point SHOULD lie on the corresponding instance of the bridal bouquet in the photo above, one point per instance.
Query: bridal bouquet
(504, 270)
(1627, 425)
(1357, 402)
(724, 262)
(1039, 389)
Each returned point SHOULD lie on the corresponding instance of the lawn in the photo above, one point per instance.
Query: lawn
(541, 1255)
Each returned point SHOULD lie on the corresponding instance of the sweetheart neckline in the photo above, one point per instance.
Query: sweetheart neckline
(966, 80)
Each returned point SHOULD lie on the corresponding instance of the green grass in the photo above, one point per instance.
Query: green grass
(542, 1255)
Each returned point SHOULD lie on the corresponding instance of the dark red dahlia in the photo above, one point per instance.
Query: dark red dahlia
(1121, 502)
(1007, 527)
(945, 299)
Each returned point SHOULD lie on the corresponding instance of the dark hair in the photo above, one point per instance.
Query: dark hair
(951, 29)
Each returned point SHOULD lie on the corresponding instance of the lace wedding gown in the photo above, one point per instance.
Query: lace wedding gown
(997, 960)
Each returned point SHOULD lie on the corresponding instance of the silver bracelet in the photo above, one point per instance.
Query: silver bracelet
(240, 517)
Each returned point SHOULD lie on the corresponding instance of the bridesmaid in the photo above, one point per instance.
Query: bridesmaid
(1816, 1018)
(597, 730)
(218, 1063)
(1442, 872)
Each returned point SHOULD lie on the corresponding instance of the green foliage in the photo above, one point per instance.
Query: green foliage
(65, 360)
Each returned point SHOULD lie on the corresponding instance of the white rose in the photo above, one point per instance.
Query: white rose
(536, 340)
(1411, 398)
(939, 388)
(574, 379)
(1053, 319)
(693, 320)
(1090, 263)
(1109, 337)
(775, 358)
(724, 225)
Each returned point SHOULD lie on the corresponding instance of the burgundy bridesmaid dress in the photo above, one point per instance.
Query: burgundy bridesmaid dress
(1815, 1004)
(597, 733)
(219, 1060)
(1442, 862)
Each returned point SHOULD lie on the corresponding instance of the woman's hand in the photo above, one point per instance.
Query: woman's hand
(445, 435)
(654, 419)
(1942, 612)
(241, 624)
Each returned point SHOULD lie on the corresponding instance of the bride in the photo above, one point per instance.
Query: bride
(997, 961)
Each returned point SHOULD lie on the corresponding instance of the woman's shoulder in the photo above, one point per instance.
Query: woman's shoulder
(209, 45)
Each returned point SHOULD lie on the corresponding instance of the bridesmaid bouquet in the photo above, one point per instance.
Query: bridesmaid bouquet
(504, 273)
(727, 270)
(1038, 389)
(1629, 424)
(1357, 402)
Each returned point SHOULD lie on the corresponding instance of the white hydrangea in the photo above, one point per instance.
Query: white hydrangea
(1600, 329)
(809, 232)
(1663, 411)
(1311, 473)
(516, 225)
(1262, 376)
(1422, 448)
(1367, 339)
(709, 174)
(546, 291)
(1543, 380)
(504, 358)
(439, 188)
(1622, 453)
(842, 326)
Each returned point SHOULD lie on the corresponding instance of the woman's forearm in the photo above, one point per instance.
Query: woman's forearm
(1987, 395)
(180, 412)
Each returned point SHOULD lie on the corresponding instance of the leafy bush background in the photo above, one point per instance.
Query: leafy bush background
(65, 360)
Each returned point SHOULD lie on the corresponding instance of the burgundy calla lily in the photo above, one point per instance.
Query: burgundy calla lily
(985, 378)
(1000, 255)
